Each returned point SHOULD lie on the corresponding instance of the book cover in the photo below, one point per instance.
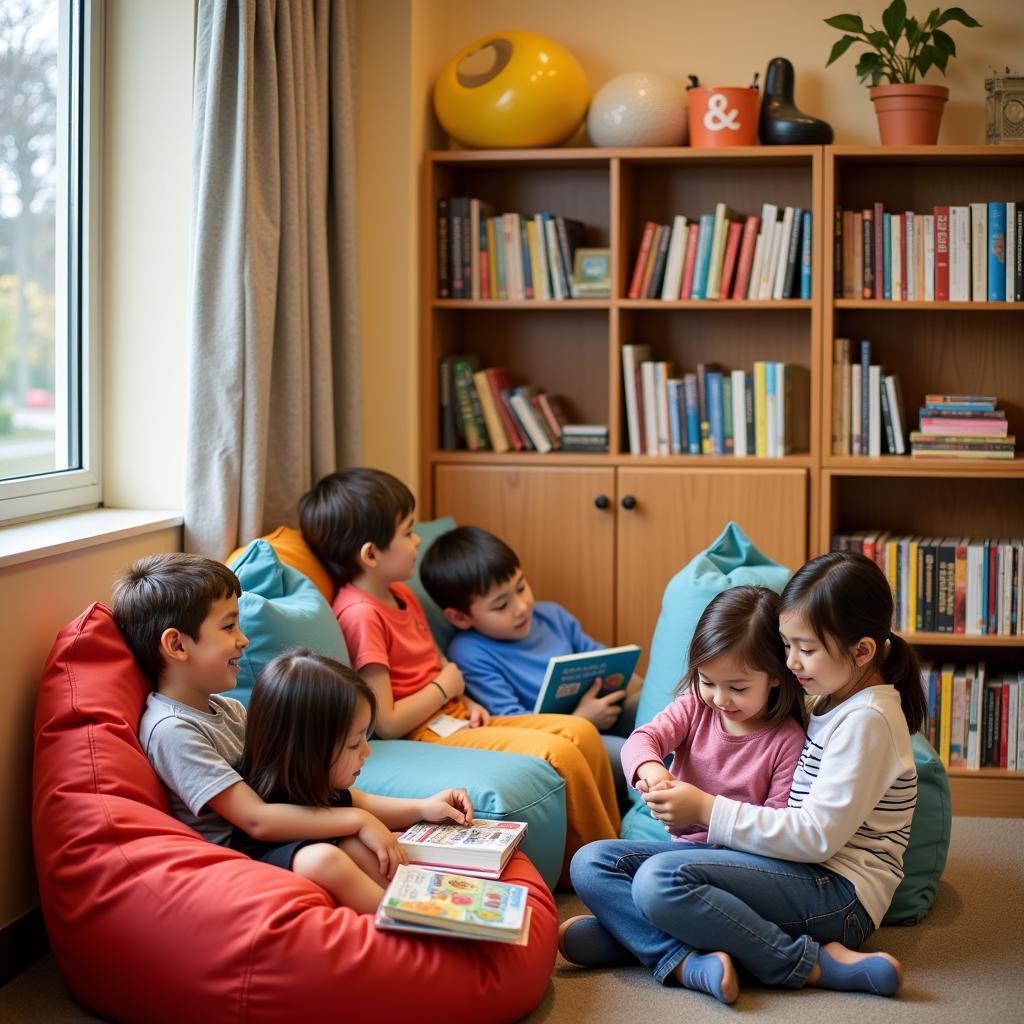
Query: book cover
(716, 419)
(996, 250)
(868, 251)
(739, 414)
(745, 259)
(674, 264)
(789, 277)
(1011, 250)
(806, 249)
(572, 235)
(732, 248)
(941, 233)
(481, 847)
(538, 243)
(448, 433)
(878, 254)
(891, 384)
(703, 259)
(521, 406)
(466, 906)
(692, 409)
(652, 258)
(837, 253)
(632, 357)
(658, 266)
(569, 676)
(690, 262)
(444, 288)
(865, 398)
(887, 256)
(728, 435)
(719, 233)
(492, 419)
(641, 260)
(979, 252)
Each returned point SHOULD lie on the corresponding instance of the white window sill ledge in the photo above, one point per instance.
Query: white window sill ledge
(43, 538)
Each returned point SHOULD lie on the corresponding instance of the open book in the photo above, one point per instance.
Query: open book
(455, 905)
(480, 848)
(569, 676)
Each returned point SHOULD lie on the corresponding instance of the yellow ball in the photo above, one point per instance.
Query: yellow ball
(533, 93)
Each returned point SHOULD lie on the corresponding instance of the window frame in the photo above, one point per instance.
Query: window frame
(65, 490)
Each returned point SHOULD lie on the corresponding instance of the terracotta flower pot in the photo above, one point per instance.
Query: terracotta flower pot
(909, 115)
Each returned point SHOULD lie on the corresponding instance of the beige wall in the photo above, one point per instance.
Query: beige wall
(405, 43)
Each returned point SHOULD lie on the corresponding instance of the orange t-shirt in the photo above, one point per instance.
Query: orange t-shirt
(397, 638)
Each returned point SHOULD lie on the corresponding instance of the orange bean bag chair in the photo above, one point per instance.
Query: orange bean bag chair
(149, 922)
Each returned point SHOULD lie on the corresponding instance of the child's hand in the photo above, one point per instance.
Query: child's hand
(450, 677)
(602, 711)
(450, 806)
(677, 804)
(379, 839)
(651, 774)
(478, 714)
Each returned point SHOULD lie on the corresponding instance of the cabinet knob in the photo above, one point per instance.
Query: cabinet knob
(601, 501)
(628, 501)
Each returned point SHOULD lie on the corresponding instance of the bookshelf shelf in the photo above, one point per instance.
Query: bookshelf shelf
(596, 558)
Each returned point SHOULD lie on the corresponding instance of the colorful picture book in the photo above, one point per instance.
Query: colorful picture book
(569, 676)
(480, 848)
(458, 906)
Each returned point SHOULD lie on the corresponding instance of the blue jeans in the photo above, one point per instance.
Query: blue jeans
(662, 901)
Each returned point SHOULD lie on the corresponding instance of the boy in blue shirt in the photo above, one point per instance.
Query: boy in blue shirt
(505, 638)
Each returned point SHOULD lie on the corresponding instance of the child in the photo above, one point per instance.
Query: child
(305, 743)
(801, 887)
(360, 523)
(505, 639)
(179, 615)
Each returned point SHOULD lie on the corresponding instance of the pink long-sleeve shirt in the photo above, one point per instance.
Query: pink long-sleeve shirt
(756, 768)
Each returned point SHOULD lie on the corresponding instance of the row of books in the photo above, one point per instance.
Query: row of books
(867, 406)
(973, 586)
(964, 253)
(975, 720)
(486, 255)
(726, 255)
(962, 426)
(714, 411)
(482, 409)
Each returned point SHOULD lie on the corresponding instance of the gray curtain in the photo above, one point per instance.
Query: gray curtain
(274, 347)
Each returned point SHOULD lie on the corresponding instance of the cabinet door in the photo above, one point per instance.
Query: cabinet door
(547, 515)
(678, 513)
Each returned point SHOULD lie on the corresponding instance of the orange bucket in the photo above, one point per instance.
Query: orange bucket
(723, 115)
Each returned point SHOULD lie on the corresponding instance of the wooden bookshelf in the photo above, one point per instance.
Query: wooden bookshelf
(603, 533)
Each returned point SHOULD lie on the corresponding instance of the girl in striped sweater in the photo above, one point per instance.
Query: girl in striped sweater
(799, 888)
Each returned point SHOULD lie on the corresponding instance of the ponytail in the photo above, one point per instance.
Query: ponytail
(903, 670)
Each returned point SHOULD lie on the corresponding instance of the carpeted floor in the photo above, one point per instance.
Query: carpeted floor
(964, 964)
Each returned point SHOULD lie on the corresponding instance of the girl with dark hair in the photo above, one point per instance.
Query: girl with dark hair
(735, 727)
(801, 887)
(306, 739)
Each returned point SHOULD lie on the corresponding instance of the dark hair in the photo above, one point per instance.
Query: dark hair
(845, 597)
(302, 707)
(743, 622)
(171, 591)
(348, 509)
(464, 564)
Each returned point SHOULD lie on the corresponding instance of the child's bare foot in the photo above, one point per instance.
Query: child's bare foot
(713, 973)
(584, 941)
(847, 971)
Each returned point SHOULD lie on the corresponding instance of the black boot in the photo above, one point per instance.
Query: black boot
(781, 123)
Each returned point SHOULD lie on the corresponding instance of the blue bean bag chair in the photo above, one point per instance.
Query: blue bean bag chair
(733, 560)
(280, 607)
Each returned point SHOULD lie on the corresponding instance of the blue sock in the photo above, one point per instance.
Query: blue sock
(705, 972)
(586, 942)
(872, 974)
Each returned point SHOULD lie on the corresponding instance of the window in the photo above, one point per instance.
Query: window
(49, 416)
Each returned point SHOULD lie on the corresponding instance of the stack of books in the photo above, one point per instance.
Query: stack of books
(714, 411)
(482, 409)
(481, 848)
(452, 906)
(867, 406)
(726, 255)
(484, 255)
(964, 253)
(975, 719)
(962, 427)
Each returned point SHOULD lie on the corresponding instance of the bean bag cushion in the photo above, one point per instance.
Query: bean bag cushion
(279, 608)
(294, 551)
(428, 532)
(148, 921)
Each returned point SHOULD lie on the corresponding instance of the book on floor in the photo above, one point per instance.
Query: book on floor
(569, 676)
(459, 906)
(480, 848)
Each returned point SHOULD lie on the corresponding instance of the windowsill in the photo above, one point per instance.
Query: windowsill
(43, 538)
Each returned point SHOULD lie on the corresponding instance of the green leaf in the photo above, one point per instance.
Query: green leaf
(933, 18)
(960, 15)
(894, 17)
(914, 34)
(939, 58)
(840, 48)
(944, 42)
(869, 64)
(846, 23)
(924, 60)
(879, 40)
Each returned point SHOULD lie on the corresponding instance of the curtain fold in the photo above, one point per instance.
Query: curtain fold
(274, 348)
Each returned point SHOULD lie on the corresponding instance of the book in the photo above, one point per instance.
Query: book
(996, 252)
(632, 358)
(459, 905)
(979, 252)
(746, 257)
(641, 260)
(480, 848)
(673, 276)
(492, 419)
(690, 260)
(569, 676)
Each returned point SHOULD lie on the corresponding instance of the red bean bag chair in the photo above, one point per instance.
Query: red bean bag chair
(149, 922)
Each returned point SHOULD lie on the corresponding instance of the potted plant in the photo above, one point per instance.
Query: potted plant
(908, 111)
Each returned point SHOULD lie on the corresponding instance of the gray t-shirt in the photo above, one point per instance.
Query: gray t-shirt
(197, 755)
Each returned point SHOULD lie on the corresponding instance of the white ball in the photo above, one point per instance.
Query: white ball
(639, 108)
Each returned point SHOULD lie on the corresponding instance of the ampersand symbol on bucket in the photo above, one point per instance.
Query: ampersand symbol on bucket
(718, 117)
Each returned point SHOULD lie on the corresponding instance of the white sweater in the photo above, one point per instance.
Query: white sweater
(851, 802)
